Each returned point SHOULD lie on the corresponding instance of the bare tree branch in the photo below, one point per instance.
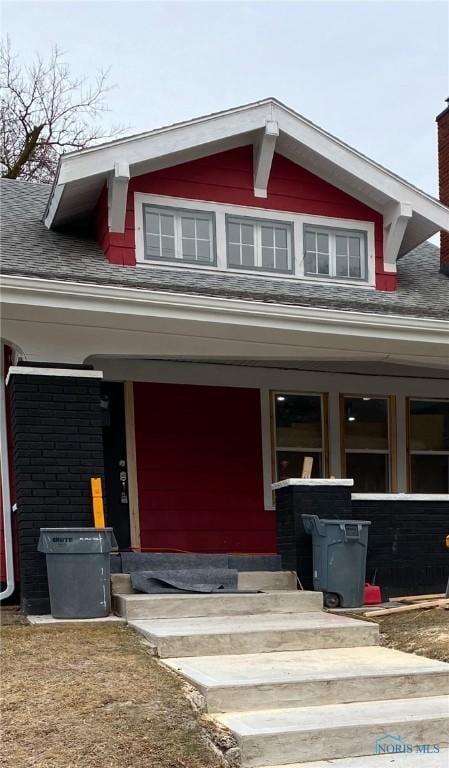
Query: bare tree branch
(46, 111)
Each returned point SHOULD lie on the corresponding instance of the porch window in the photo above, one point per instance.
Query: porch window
(298, 432)
(365, 433)
(179, 235)
(258, 244)
(337, 253)
(428, 430)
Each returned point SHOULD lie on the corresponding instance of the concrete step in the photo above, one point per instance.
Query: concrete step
(406, 760)
(140, 606)
(283, 736)
(265, 580)
(255, 633)
(310, 678)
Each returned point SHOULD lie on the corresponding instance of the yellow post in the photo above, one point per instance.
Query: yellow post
(97, 502)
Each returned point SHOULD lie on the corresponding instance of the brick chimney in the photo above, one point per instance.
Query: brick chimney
(443, 166)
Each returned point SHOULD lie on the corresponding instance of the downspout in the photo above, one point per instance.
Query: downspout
(6, 495)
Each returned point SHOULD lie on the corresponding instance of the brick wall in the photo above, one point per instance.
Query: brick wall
(57, 448)
(406, 541)
(443, 165)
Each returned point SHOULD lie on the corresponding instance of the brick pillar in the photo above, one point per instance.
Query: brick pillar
(295, 497)
(443, 167)
(57, 447)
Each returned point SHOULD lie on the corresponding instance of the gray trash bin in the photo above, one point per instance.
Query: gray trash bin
(78, 571)
(339, 559)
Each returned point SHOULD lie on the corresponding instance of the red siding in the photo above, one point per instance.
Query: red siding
(228, 178)
(199, 469)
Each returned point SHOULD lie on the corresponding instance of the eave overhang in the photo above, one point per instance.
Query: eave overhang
(269, 126)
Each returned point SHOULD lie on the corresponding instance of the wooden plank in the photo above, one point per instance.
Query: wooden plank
(133, 494)
(406, 608)
(307, 465)
(416, 598)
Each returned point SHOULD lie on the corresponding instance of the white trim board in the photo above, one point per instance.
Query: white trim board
(312, 482)
(400, 497)
(73, 373)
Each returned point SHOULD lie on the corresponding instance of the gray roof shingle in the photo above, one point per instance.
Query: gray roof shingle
(29, 249)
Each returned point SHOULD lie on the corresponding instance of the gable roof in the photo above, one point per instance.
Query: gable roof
(82, 174)
(31, 250)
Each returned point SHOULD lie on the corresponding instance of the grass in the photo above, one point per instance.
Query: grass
(91, 696)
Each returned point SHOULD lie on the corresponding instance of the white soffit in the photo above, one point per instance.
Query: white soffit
(82, 174)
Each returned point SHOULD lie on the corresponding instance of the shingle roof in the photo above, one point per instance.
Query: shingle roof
(29, 249)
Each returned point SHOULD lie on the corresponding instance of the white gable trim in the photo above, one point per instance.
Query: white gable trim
(117, 196)
(356, 174)
(263, 158)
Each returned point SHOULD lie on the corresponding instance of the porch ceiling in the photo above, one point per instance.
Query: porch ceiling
(50, 321)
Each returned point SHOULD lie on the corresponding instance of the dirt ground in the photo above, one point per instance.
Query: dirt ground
(423, 632)
(92, 697)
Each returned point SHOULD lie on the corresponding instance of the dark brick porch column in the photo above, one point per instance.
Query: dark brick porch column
(296, 497)
(57, 448)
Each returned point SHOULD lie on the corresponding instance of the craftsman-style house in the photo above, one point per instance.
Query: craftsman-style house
(190, 312)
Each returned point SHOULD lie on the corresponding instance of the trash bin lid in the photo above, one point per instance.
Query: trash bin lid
(76, 541)
(345, 522)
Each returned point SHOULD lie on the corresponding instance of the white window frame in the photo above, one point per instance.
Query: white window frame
(257, 224)
(177, 213)
(296, 220)
(332, 234)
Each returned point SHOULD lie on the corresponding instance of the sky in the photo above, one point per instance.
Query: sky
(375, 74)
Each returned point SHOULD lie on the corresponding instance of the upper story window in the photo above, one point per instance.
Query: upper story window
(172, 234)
(259, 244)
(226, 237)
(336, 253)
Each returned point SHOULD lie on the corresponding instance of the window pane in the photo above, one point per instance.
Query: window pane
(233, 233)
(281, 238)
(203, 229)
(247, 256)
(341, 263)
(354, 246)
(167, 225)
(310, 241)
(323, 264)
(247, 233)
(429, 425)
(203, 251)
(369, 472)
(355, 267)
(365, 423)
(168, 247)
(268, 258)
(322, 243)
(153, 245)
(310, 263)
(429, 474)
(188, 248)
(188, 227)
(282, 260)
(298, 421)
(234, 255)
(152, 223)
(267, 236)
(341, 245)
(289, 464)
